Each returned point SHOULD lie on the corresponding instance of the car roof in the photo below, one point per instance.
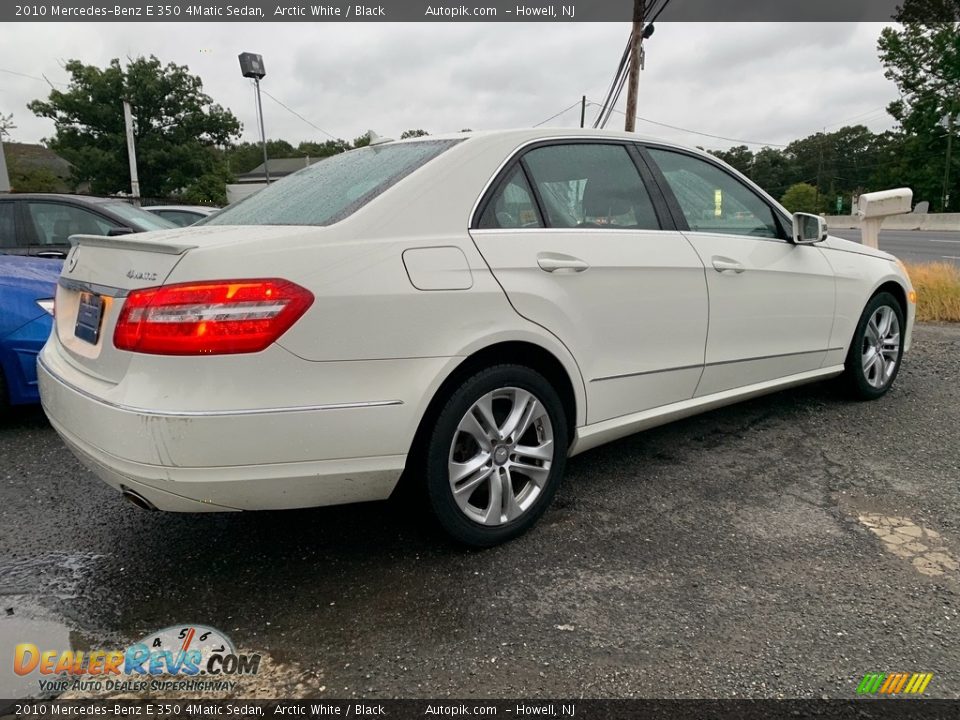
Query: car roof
(524, 136)
(65, 197)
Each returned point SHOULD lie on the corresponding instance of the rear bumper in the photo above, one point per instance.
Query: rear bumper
(236, 460)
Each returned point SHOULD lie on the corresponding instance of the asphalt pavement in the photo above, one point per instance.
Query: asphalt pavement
(914, 245)
(783, 547)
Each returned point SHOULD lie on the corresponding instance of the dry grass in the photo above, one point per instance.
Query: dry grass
(938, 291)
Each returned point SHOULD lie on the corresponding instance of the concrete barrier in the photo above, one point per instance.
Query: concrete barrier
(937, 222)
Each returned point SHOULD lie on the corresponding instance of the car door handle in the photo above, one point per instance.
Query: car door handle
(727, 265)
(51, 254)
(552, 262)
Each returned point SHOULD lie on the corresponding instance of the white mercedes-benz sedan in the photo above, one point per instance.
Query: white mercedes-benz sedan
(466, 311)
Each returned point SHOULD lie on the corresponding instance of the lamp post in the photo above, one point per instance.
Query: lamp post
(251, 65)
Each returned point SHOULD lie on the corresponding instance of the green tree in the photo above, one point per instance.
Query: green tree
(413, 134)
(772, 170)
(6, 125)
(362, 141)
(35, 179)
(801, 197)
(324, 149)
(738, 157)
(176, 124)
(922, 56)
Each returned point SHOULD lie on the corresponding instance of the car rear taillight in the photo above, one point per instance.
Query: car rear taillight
(209, 318)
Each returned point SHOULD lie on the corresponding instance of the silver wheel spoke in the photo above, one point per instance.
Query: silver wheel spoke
(511, 510)
(521, 400)
(463, 493)
(540, 452)
(536, 473)
(484, 409)
(873, 332)
(474, 429)
(462, 471)
(495, 505)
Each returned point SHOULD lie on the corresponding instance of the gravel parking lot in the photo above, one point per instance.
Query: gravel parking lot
(779, 548)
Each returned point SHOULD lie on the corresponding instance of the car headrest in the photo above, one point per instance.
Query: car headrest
(602, 199)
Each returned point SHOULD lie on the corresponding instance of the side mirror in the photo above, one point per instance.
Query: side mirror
(808, 229)
(122, 230)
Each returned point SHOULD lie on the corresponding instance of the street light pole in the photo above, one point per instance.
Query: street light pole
(263, 132)
(251, 65)
(946, 170)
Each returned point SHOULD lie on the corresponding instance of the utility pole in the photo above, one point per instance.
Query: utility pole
(131, 153)
(636, 45)
(583, 110)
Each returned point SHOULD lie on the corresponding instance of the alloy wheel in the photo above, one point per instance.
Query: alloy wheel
(501, 455)
(881, 347)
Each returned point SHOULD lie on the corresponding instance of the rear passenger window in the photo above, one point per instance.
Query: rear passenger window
(8, 236)
(586, 185)
(55, 223)
(513, 205)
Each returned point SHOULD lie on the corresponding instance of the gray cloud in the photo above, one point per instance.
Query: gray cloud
(751, 81)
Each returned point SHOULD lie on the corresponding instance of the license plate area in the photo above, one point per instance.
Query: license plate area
(89, 317)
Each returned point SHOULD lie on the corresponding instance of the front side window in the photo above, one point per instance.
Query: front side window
(513, 205)
(584, 185)
(713, 201)
(8, 237)
(54, 223)
(332, 189)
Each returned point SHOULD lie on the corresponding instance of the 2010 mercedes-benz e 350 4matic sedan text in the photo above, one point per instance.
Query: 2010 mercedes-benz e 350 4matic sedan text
(471, 308)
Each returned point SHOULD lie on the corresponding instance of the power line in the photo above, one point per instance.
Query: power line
(657, 13)
(43, 79)
(294, 112)
(617, 79)
(697, 132)
(552, 117)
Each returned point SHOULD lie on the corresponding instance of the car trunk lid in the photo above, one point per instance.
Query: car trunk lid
(97, 275)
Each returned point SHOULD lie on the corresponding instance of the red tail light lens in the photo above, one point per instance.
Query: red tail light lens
(209, 318)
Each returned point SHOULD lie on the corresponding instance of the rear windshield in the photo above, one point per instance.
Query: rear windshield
(332, 189)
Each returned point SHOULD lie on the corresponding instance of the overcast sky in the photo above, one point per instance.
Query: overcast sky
(756, 82)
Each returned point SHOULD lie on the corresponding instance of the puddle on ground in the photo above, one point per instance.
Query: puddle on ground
(16, 629)
(924, 548)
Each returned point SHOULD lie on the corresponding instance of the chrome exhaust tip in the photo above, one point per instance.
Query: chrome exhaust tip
(137, 499)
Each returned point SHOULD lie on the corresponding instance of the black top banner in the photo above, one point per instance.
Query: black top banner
(477, 11)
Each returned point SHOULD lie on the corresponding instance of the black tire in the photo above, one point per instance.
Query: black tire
(440, 451)
(858, 382)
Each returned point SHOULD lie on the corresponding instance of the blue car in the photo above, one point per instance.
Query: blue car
(27, 287)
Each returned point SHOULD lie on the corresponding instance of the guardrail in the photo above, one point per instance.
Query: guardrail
(910, 221)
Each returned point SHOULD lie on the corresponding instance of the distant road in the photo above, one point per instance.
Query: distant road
(915, 245)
